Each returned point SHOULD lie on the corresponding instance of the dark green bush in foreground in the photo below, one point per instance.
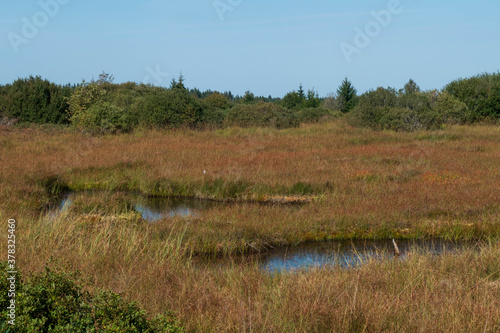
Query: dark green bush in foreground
(56, 301)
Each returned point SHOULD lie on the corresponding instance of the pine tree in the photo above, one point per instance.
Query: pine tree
(249, 97)
(411, 87)
(346, 96)
(173, 84)
(301, 92)
(180, 84)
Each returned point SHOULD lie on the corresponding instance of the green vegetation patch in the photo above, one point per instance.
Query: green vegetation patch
(58, 300)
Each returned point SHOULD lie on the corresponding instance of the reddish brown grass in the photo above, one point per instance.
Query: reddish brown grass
(371, 184)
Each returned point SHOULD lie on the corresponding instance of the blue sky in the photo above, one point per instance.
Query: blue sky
(267, 47)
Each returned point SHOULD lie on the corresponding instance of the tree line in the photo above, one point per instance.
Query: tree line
(102, 106)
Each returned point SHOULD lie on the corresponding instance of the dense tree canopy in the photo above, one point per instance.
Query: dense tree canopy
(101, 106)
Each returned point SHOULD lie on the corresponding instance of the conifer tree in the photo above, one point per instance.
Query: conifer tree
(347, 96)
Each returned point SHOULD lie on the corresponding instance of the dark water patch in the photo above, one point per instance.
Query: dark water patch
(155, 209)
(151, 208)
(60, 205)
(348, 254)
(65, 203)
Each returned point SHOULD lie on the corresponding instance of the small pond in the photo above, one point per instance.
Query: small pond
(348, 254)
(155, 209)
(343, 254)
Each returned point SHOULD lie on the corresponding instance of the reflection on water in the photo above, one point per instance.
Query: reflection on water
(348, 254)
(151, 209)
(65, 203)
(61, 206)
(154, 209)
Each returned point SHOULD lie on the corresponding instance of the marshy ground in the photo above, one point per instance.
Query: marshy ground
(309, 184)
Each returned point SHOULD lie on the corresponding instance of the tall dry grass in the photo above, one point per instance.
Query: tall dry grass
(448, 293)
(364, 184)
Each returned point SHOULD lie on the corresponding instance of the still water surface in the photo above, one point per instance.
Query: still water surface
(343, 254)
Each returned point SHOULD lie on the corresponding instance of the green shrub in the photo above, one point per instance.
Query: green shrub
(480, 93)
(419, 102)
(170, 108)
(35, 100)
(367, 116)
(55, 300)
(261, 114)
(83, 98)
(213, 117)
(217, 100)
(381, 97)
(293, 100)
(451, 109)
(313, 100)
(409, 120)
(315, 115)
(101, 118)
(385, 109)
(394, 118)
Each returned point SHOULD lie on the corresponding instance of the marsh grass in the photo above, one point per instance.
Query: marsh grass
(159, 264)
(428, 293)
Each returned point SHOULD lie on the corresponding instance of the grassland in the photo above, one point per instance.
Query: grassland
(358, 184)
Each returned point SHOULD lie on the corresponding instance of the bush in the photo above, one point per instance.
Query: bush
(315, 115)
(480, 93)
(385, 109)
(101, 118)
(35, 100)
(332, 102)
(217, 100)
(409, 120)
(452, 110)
(381, 97)
(261, 114)
(56, 301)
(213, 117)
(83, 98)
(170, 108)
(292, 100)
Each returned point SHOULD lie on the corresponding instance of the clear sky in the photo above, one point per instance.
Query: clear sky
(267, 47)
